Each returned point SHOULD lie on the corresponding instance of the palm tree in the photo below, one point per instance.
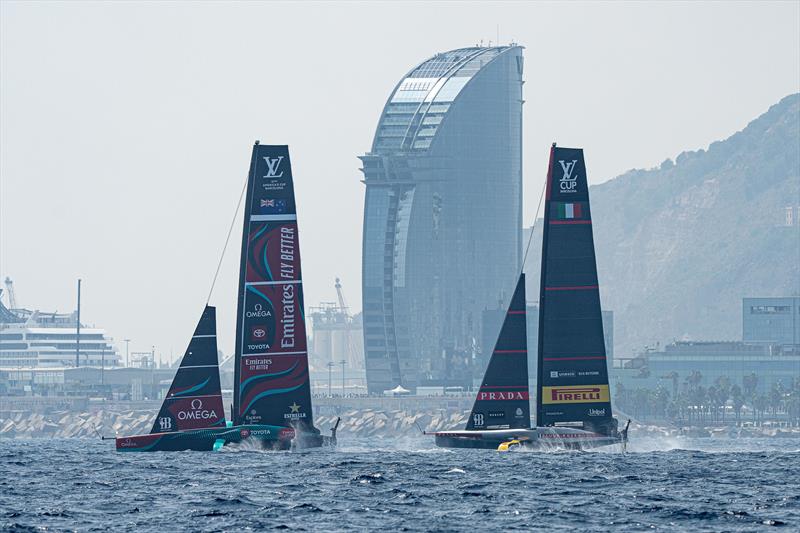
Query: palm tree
(760, 404)
(723, 393)
(674, 377)
(660, 400)
(738, 401)
(713, 402)
(750, 382)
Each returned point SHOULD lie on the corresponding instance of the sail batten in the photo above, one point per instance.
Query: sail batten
(271, 359)
(572, 368)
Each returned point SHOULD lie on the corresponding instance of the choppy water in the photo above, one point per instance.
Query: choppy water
(699, 485)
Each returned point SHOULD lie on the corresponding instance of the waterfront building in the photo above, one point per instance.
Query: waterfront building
(442, 216)
(336, 337)
(35, 339)
(771, 320)
(118, 383)
(336, 351)
(704, 362)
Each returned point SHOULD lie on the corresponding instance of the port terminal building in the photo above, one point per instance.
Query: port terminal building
(768, 354)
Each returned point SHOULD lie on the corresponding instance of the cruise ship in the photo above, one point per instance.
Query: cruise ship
(36, 339)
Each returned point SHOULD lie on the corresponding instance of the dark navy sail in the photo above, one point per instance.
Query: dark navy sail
(272, 381)
(572, 370)
(194, 399)
(502, 401)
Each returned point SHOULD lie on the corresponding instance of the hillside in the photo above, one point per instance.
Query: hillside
(678, 246)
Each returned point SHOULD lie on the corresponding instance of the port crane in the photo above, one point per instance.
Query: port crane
(12, 300)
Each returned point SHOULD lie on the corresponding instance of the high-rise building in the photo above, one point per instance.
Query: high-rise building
(442, 216)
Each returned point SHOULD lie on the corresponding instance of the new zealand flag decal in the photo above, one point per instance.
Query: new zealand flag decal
(271, 206)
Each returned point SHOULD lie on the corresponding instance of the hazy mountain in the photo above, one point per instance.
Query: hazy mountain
(680, 245)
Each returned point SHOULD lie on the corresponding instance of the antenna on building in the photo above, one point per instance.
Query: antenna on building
(127, 352)
(78, 329)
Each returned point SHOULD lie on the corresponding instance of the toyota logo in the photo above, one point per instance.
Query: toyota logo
(259, 333)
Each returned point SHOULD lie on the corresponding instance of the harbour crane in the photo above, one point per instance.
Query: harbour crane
(350, 349)
(339, 293)
(12, 301)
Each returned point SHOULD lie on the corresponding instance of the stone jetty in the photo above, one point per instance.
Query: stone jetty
(90, 425)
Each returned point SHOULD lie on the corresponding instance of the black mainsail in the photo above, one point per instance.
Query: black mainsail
(572, 369)
(573, 408)
(271, 361)
(194, 399)
(502, 401)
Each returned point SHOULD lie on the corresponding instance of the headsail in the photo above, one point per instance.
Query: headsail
(572, 371)
(194, 399)
(272, 381)
(502, 400)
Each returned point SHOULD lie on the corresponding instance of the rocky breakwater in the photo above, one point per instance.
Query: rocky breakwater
(395, 423)
(88, 425)
(64, 424)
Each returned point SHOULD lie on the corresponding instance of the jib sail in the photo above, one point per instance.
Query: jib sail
(272, 381)
(502, 400)
(572, 371)
(194, 399)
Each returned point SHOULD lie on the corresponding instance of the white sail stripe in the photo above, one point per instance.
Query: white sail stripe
(203, 336)
(196, 396)
(285, 282)
(272, 218)
(272, 354)
(198, 366)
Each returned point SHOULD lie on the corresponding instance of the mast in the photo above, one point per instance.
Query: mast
(540, 339)
(572, 371)
(237, 363)
(271, 359)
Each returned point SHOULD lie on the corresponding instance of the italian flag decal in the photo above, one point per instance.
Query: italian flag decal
(568, 211)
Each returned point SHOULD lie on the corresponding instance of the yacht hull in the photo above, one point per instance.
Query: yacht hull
(209, 439)
(534, 438)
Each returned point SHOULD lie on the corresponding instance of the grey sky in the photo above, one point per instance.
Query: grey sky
(126, 128)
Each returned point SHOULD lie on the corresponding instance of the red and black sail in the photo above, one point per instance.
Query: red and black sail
(194, 399)
(272, 380)
(572, 369)
(502, 401)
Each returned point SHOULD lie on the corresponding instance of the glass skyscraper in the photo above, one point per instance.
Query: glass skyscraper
(442, 216)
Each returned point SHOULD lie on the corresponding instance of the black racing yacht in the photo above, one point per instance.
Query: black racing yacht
(272, 394)
(573, 406)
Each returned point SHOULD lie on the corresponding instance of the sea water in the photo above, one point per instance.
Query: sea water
(407, 484)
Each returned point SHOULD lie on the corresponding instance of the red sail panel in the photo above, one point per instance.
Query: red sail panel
(272, 380)
(572, 369)
(194, 399)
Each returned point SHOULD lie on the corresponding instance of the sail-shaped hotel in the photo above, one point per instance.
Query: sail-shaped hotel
(442, 216)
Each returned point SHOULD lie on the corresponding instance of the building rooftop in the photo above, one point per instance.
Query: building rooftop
(419, 103)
